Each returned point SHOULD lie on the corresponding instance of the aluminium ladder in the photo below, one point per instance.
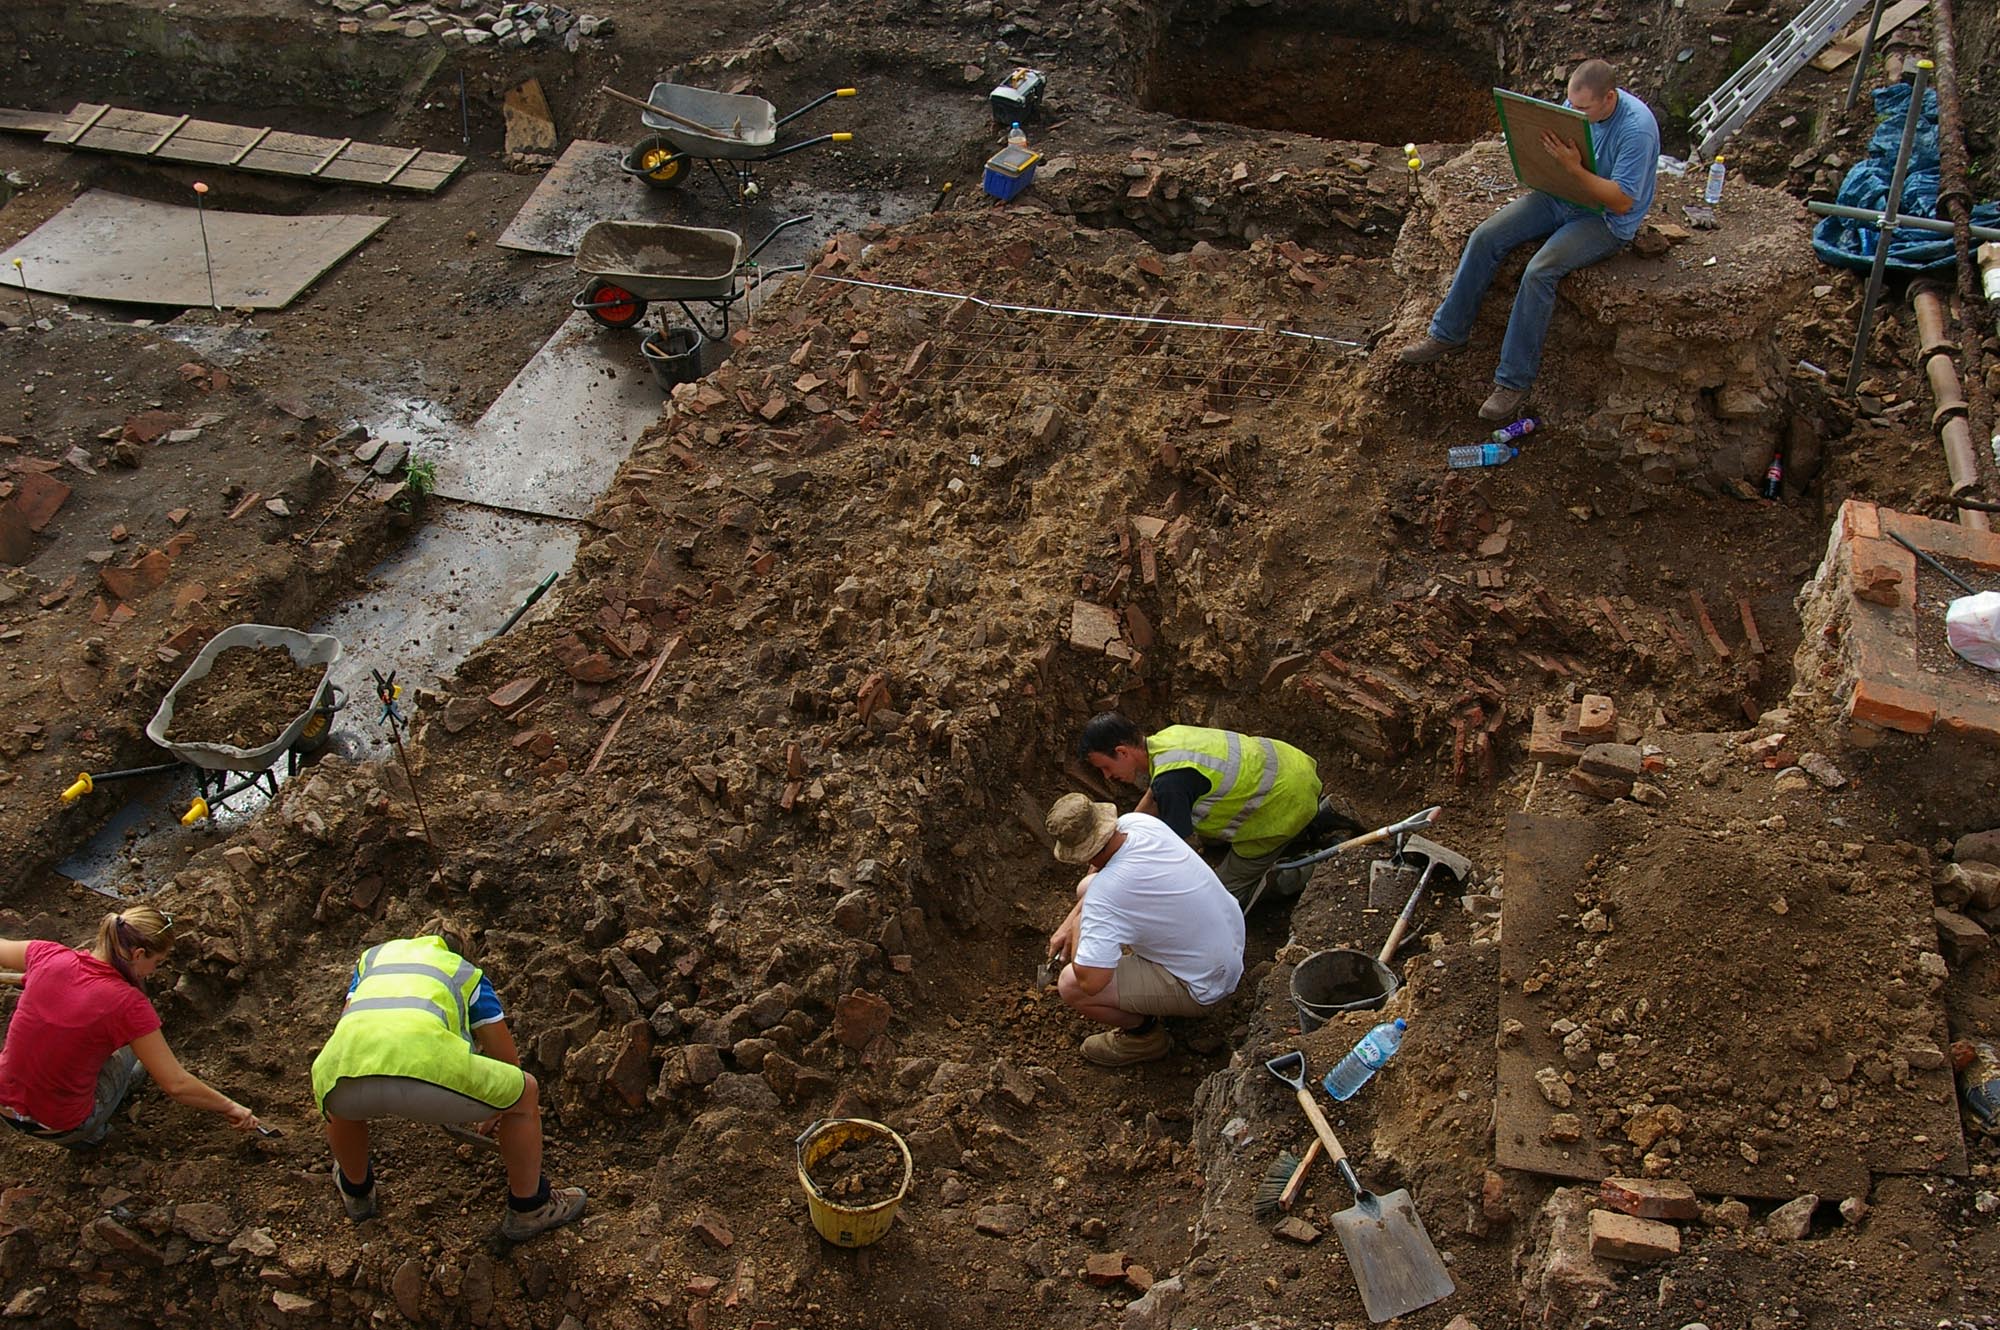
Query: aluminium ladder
(1739, 95)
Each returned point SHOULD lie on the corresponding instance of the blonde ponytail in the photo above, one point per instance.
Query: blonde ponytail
(134, 929)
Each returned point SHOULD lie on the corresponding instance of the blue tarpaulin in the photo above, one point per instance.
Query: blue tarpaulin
(1851, 244)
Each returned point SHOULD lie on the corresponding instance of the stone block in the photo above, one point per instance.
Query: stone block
(1959, 937)
(1621, 1237)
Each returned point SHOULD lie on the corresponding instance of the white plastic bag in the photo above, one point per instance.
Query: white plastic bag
(1972, 626)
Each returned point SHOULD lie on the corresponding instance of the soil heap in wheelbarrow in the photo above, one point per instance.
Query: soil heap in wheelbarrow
(247, 698)
(859, 1174)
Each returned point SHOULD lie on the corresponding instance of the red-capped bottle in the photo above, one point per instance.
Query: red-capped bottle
(1774, 476)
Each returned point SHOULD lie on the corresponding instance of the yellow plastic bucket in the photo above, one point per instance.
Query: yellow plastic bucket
(842, 1225)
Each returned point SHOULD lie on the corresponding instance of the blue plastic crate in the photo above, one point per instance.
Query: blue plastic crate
(1010, 171)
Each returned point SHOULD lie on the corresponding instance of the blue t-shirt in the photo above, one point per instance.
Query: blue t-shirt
(485, 1008)
(1626, 145)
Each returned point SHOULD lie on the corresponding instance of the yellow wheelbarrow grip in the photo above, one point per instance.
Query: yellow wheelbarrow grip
(196, 812)
(842, 138)
(846, 92)
(84, 785)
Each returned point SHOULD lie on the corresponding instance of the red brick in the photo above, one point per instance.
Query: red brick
(1651, 1198)
(1891, 707)
(1628, 1238)
(1105, 1268)
(511, 695)
(38, 498)
(1861, 519)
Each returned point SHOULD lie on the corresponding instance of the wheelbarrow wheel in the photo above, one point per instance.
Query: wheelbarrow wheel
(612, 305)
(661, 165)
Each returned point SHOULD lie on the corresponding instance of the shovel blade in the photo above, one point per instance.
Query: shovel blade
(1395, 1266)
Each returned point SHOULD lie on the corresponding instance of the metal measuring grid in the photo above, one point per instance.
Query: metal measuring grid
(983, 345)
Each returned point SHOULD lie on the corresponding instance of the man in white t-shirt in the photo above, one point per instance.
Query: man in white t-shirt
(1154, 932)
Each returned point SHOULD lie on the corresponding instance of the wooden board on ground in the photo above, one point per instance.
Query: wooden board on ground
(29, 122)
(95, 127)
(584, 186)
(531, 126)
(1800, 1050)
(1848, 44)
(106, 246)
(1522, 120)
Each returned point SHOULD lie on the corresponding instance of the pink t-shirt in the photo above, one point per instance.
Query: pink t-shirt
(75, 1011)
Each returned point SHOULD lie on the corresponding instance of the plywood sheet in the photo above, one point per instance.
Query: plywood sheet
(29, 122)
(1523, 119)
(106, 246)
(1849, 43)
(585, 186)
(1783, 1052)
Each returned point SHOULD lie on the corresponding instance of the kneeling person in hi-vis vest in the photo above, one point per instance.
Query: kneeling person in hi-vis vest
(423, 1038)
(1219, 787)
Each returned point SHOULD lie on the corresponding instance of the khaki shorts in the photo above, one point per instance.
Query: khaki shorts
(365, 1098)
(1148, 988)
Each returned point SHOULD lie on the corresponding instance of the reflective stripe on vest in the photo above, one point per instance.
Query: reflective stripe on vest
(459, 983)
(1260, 793)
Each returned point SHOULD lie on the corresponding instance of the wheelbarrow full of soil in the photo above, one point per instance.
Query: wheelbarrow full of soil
(626, 265)
(255, 695)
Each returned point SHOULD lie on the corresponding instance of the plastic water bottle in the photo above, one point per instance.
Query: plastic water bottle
(1712, 194)
(1376, 1048)
(1015, 137)
(1469, 455)
(1519, 429)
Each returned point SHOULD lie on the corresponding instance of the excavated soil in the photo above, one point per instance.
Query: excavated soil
(858, 1174)
(755, 839)
(247, 698)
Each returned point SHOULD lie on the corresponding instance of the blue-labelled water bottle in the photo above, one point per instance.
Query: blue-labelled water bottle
(1469, 455)
(1376, 1048)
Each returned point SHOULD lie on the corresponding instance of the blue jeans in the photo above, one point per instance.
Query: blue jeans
(1575, 239)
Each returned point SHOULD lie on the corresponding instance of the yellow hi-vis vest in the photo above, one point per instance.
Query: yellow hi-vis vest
(1261, 792)
(409, 1015)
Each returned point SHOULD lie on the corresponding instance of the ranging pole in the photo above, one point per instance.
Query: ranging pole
(201, 217)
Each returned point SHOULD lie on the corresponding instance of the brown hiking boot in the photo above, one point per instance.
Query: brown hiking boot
(563, 1205)
(1504, 404)
(1426, 349)
(1122, 1048)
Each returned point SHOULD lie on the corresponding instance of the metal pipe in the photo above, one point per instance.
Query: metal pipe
(1861, 61)
(1874, 216)
(1891, 208)
(1955, 201)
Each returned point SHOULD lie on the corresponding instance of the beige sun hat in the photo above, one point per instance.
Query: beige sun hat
(1081, 827)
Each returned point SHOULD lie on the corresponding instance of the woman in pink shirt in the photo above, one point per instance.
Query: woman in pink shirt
(83, 1029)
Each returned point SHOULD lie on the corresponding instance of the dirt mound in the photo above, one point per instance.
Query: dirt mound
(247, 698)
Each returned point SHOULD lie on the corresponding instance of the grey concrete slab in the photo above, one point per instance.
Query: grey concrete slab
(553, 440)
(106, 246)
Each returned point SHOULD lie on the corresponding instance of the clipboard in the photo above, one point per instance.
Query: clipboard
(1522, 120)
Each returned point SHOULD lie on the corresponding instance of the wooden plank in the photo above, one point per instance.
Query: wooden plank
(1848, 44)
(401, 166)
(161, 141)
(327, 160)
(73, 135)
(44, 123)
(245, 150)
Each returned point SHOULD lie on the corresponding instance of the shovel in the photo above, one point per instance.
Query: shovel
(1395, 1266)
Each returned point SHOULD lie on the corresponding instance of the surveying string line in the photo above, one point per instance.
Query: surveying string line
(1082, 313)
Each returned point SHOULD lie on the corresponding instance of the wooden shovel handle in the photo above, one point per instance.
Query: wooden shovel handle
(714, 131)
(1334, 1153)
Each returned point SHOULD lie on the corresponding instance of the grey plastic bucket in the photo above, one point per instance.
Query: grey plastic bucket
(1327, 983)
(674, 354)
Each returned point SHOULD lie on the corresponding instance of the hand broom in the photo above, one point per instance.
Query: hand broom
(1282, 1182)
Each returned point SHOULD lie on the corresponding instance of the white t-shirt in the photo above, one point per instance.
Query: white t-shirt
(1157, 897)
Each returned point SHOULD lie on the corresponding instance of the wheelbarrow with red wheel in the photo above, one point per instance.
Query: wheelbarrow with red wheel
(628, 265)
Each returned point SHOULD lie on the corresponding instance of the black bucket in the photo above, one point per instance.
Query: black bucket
(1327, 983)
(674, 354)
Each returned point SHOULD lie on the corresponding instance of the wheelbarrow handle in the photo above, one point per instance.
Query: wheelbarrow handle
(773, 235)
(817, 102)
(790, 148)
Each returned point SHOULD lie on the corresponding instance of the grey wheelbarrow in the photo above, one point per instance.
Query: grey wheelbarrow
(695, 124)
